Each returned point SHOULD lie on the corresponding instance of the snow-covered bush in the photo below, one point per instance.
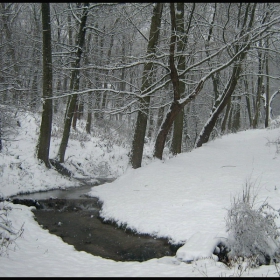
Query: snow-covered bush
(275, 142)
(8, 234)
(253, 234)
(274, 123)
(8, 123)
(113, 132)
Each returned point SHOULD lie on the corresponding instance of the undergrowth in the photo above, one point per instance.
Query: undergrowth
(253, 236)
(8, 234)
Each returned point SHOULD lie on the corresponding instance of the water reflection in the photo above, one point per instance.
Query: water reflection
(69, 193)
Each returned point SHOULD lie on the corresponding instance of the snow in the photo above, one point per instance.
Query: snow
(184, 198)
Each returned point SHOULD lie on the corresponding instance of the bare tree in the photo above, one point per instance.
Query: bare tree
(178, 27)
(135, 74)
(266, 106)
(244, 43)
(46, 122)
(142, 117)
(74, 86)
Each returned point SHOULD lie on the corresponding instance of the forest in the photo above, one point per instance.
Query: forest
(98, 91)
(172, 74)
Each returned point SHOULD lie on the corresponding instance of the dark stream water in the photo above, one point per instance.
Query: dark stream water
(74, 217)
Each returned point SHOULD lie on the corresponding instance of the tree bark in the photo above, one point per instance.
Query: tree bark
(259, 91)
(236, 115)
(230, 87)
(207, 129)
(0, 132)
(224, 122)
(176, 107)
(75, 115)
(267, 113)
(248, 101)
(46, 122)
(74, 86)
(176, 145)
(229, 125)
(142, 117)
(6, 16)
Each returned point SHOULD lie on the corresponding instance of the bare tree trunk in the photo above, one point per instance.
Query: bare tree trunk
(75, 115)
(175, 107)
(236, 115)
(89, 85)
(224, 122)
(267, 113)
(104, 94)
(248, 104)
(46, 122)
(74, 86)
(151, 124)
(34, 90)
(58, 89)
(0, 132)
(81, 109)
(88, 124)
(207, 129)
(259, 92)
(229, 125)
(11, 53)
(230, 87)
(176, 145)
(142, 117)
(89, 112)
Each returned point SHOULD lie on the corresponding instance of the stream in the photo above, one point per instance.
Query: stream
(73, 216)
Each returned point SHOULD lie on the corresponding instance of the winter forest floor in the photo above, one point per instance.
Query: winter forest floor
(184, 198)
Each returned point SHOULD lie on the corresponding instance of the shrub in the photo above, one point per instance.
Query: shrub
(275, 142)
(8, 234)
(253, 233)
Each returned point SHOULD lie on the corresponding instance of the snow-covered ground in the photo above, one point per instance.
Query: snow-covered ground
(184, 198)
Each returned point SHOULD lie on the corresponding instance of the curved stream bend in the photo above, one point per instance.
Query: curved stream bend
(75, 218)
